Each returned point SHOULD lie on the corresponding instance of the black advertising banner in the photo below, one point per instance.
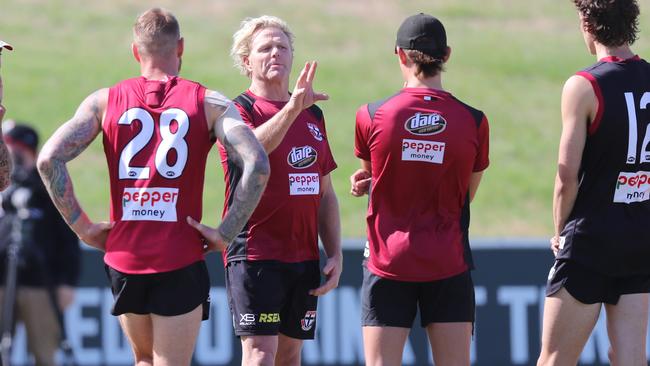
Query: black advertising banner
(509, 284)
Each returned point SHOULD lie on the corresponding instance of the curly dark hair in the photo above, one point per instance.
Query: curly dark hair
(612, 22)
(426, 65)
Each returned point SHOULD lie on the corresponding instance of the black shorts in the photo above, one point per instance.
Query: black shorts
(391, 303)
(167, 293)
(591, 287)
(271, 297)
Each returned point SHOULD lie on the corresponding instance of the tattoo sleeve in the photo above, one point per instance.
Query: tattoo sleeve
(68, 142)
(244, 149)
(5, 165)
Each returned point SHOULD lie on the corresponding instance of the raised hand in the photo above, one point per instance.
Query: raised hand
(303, 94)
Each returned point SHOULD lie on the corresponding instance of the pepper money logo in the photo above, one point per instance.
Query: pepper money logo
(302, 157)
(425, 124)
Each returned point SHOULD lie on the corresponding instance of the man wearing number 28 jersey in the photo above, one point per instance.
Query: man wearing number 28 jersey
(157, 131)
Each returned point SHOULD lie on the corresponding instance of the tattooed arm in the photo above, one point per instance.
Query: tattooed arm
(244, 149)
(68, 142)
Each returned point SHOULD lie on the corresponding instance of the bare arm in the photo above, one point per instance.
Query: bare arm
(474, 181)
(329, 230)
(247, 153)
(579, 105)
(5, 159)
(271, 132)
(68, 142)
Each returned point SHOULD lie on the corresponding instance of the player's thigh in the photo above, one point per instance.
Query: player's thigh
(174, 337)
(383, 345)
(450, 342)
(627, 323)
(289, 349)
(138, 329)
(566, 327)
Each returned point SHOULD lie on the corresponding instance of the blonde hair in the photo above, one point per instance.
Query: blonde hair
(242, 39)
(156, 32)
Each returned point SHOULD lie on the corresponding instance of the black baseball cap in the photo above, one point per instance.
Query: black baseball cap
(22, 135)
(424, 33)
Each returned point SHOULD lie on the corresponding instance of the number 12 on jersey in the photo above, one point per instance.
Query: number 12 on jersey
(170, 141)
(632, 143)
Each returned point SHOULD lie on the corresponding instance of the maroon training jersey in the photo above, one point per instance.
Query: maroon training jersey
(423, 145)
(156, 141)
(284, 226)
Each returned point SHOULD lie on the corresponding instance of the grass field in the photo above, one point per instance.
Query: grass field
(510, 59)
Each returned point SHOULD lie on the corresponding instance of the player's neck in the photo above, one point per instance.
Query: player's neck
(434, 82)
(624, 52)
(158, 71)
(275, 91)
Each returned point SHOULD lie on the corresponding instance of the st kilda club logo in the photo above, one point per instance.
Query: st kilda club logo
(302, 157)
(308, 321)
(425, 124)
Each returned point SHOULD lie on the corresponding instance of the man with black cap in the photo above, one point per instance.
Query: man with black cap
(5, 161)
(424, 152)
(44, 251)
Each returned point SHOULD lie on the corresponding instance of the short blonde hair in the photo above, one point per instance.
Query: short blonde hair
(242, 39)
(156, 32)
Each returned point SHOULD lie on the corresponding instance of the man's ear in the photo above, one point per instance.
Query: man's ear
(136, 53)
(447, 54)
(403, 58)
(180, 47)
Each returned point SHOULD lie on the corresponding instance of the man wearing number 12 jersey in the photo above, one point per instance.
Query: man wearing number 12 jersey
(157, 131)
(601, 203)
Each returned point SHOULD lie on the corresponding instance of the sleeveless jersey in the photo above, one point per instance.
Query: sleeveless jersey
(423, 145)
(156, 142)
(284, 226)
(607, 229)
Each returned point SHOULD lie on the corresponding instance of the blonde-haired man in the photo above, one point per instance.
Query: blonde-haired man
(272, 267)
(157, 131)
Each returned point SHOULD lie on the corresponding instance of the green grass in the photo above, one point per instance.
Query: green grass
(510, 59)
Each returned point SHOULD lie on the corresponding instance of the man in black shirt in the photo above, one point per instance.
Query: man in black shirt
(47, 250)
(601, 203)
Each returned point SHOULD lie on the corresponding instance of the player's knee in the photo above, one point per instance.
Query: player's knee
(288, 358)
(258, 352)
(258, 356)
(143, 358)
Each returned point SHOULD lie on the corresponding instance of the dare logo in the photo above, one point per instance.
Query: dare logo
(302, 157)
(425, 124)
